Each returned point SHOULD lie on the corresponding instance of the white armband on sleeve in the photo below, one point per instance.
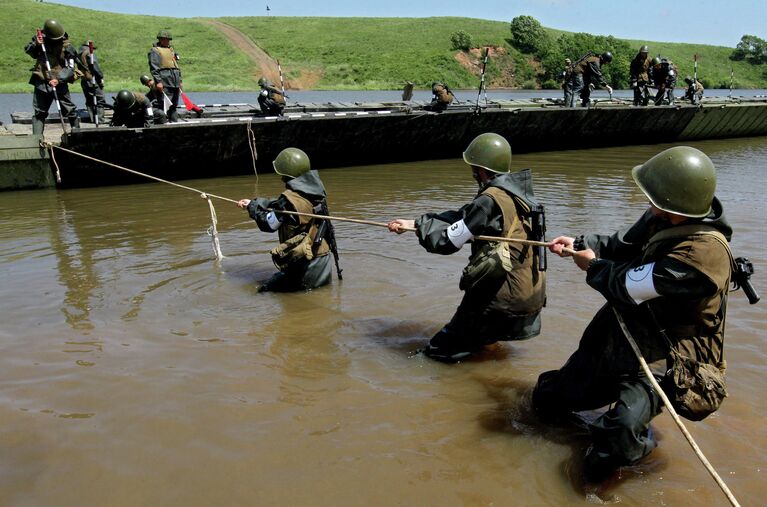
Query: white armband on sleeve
(149, 112)
(458, 234)
(273, 221)
(639, 283)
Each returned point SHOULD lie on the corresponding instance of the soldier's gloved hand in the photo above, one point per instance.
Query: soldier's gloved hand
(609, 89)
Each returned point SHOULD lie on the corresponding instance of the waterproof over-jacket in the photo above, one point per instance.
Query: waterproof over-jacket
(499, 209)
(303, 194)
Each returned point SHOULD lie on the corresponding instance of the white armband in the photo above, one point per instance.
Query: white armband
(149, 112)
(458, 234)
(273, 221)
(639, 283)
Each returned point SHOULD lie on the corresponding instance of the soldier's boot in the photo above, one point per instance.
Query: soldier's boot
(38, 125)
(74, 122)
(100, 114)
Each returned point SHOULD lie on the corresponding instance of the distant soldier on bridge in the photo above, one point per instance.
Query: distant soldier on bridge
(567, 86)
(270, 99)
(588, 71)
(663, 75)
(163, 66)
(92, 81)
(639, 76)
(50, 84)
(694, 91)
(443, 97)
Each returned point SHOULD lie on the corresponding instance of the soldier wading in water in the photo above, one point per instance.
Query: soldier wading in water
(668, 275)
(504, 290)
(305, 242)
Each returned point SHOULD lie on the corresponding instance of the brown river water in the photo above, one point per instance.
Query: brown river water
(136, 370)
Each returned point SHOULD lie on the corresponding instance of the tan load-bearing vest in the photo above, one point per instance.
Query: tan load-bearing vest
(305, 224)
(167, 57)
(697, 326)
(527, 283)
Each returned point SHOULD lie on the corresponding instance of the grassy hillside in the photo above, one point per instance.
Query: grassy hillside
(208, 61)
(329, 53)
(370, 53)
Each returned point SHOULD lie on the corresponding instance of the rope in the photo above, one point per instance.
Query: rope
(55, 164)
(412, 229)
(213, 230)
(252, 146)
(207, 194)
(673, 413)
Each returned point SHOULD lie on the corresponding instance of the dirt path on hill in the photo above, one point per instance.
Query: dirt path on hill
(265, 65)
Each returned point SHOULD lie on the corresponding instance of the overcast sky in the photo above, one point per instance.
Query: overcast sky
(695, 21)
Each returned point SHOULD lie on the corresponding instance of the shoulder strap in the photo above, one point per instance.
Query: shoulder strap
(504, 201)
(684, 231)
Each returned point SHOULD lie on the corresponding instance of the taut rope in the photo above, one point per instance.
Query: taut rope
(212, 231)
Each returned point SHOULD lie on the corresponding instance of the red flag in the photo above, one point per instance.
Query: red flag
(190, 106)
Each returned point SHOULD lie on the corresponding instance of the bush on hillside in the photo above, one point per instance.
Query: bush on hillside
(752, 49)
(461, 40)
(528, 35)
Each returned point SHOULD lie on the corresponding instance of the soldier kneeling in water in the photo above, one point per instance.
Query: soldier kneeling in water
(503, 297)
(305, 242)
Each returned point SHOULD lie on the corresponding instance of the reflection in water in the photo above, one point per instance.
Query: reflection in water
(153, 358)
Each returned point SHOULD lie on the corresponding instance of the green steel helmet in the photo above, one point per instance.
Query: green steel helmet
(607, 57)
(164, 34)
(436, 84)
(145, 80)
(678, 180)
(263, 82)
(688, 80)
(124, 100)
(489, 151)
(656, 61)
(644, 49)
(291, 162)
(53, 29)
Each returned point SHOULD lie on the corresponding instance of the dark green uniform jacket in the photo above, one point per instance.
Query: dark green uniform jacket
(303, 194)
(519, 298)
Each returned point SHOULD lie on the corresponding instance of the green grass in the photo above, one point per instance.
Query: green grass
(348, 53)
(370, 53)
